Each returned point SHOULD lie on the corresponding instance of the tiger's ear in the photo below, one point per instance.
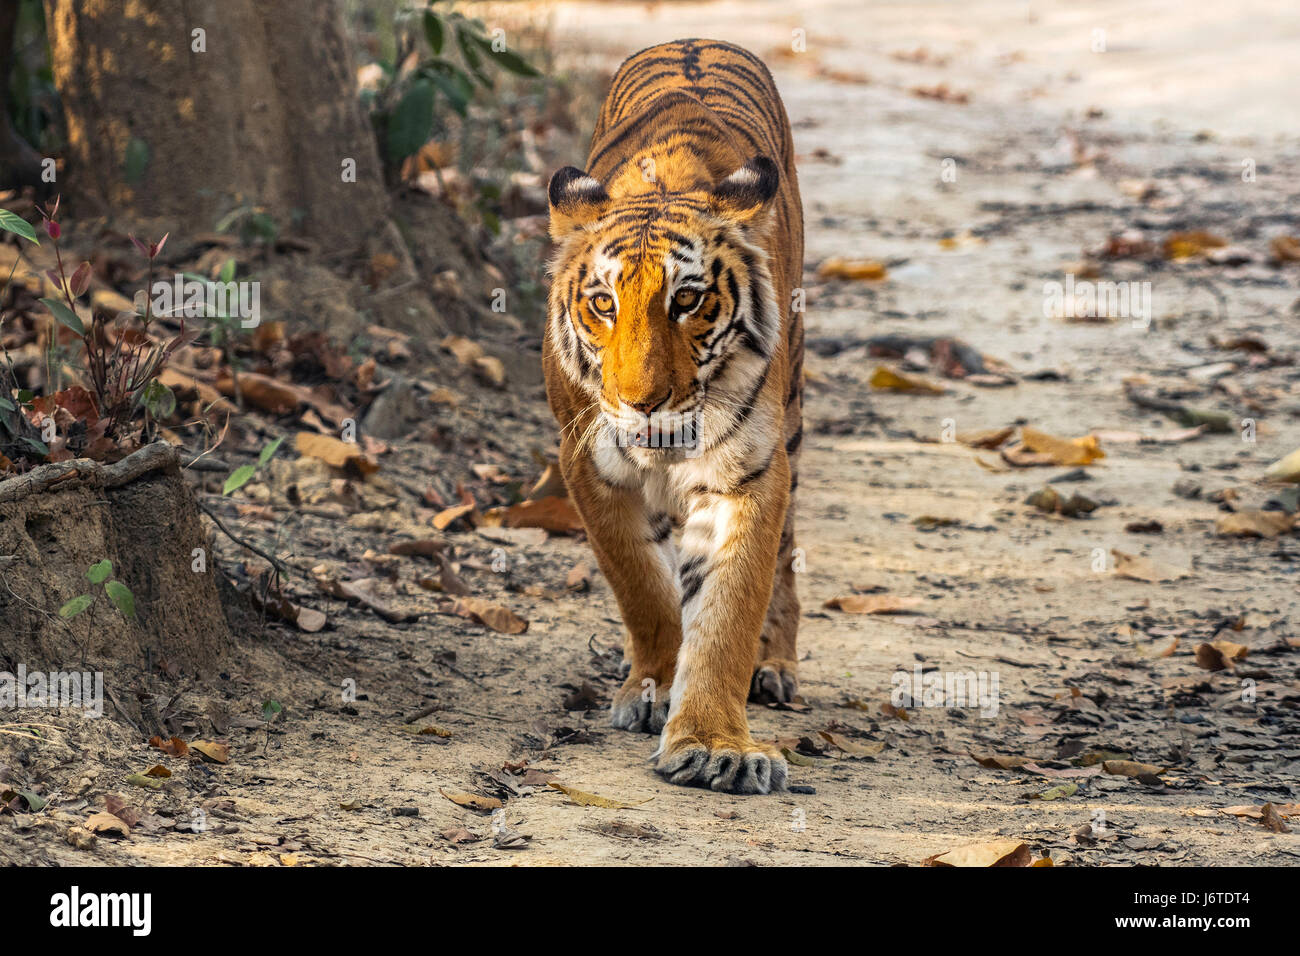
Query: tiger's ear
(576, 200)
(746, 192)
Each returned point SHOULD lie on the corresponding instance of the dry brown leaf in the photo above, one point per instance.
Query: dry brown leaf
(872, 604)
(1254, 524)
(344, 455)
(472, 801)
(211, 750)
(107, 823)
(1285, 469)
(1220, 655)
(989, 438)
(1001, 853)
(498, 617)
(838, 267)
(445, 518)
(1062, 451)
(1130, 768)
(583, 799)
(1137, 568)
(268, 394)
(550, 484)
(175, 747)
(579, 578)
(553, 514)
(852, 747)
(889, 379)
(1272, 820)
(1285, 248)
(1185, 245)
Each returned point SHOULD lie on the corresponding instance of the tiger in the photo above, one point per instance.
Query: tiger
(673, 358)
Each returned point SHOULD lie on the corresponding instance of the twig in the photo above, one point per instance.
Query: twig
(276, 563)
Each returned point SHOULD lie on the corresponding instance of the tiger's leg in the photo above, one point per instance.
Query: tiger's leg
(633, 547)
(775, 668)
(729, 550)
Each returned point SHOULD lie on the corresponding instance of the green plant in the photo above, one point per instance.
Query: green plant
(244, 473)
(404, 108)
(116, 591)
(18, 436)
(123, 377)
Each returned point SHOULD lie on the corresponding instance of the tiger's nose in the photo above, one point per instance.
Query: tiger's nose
(648, 407)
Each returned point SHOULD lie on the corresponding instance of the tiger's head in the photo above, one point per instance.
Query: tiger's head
(661, 305)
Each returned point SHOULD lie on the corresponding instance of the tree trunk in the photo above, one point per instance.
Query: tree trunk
(179, 113)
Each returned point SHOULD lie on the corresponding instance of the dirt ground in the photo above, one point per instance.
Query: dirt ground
(1056, 150)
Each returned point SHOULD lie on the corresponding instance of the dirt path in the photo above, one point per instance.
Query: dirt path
(1006, 592)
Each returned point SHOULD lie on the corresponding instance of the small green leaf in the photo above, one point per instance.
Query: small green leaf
(7, 405)
(434, 31)
(411, 123)
(16, 224)
(76, 606)
(270, 708)
(227, 273)
(64, 315)
(135, 161)
(238, 478)
(100, 571)
(269, 452)
(121, 596)
(512, 61)
(37, 446)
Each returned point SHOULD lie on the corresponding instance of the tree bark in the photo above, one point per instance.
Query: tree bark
(176, 128)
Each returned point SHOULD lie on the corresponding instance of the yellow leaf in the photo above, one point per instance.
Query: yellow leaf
(997, 853)
(889, 379)
(583, 799)
(1063, 451)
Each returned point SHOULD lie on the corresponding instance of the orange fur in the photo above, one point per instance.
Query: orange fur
(678, 250)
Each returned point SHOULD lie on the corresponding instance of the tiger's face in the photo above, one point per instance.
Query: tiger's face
(661, 304)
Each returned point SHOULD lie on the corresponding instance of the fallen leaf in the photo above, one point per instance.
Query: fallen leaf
(1219, 655)
(579, 578)
(552, 513)
(1137, 568)
(472, 801)
(175, 747)
(1062, 451)
(1185, 245)
(107, 823)
(209, 750)
(1272, 820)
(991, 438)
(853, 269)
(872, 603)
(495, 616)
(583, 799)
(890, 379)
(1254, 524)
(1002, 853)
(1130, 768)
(851, 747)
(1285, 469)
(344, 455)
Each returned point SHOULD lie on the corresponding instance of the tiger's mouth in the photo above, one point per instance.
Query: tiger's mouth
(666, 430)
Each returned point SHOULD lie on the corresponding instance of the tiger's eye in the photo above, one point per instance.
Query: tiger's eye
(686, 298)
(602, 303)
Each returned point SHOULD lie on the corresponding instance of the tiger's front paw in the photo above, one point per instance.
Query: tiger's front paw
(774, 681)
(736, 766)
(640, 705)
